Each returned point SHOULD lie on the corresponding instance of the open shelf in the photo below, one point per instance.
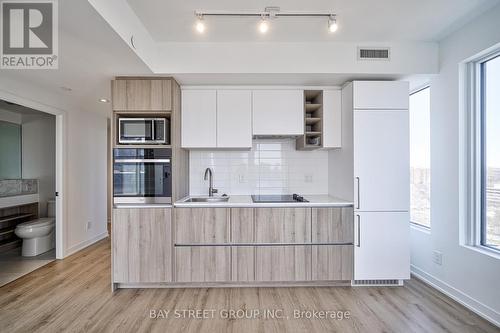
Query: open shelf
(9, 218)
(313, 121)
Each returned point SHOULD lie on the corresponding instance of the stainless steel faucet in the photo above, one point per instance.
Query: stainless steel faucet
(209, 175)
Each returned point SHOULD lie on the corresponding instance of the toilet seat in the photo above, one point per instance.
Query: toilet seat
(46, 221)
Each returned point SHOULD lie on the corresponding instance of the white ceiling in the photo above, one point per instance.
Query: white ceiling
(90, 55)
(359, 20)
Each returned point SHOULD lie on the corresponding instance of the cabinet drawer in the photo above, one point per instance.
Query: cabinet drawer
(333, 225)
(203, 263)
(201, 225)
(243, 263)
(283, 225)
(332, 262)
(283, 263)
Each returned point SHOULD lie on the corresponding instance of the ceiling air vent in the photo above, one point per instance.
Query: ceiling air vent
(373, 53)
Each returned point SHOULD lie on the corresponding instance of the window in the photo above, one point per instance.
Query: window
(489, 72)
(420, 164)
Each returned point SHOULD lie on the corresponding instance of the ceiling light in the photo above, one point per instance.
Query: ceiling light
(104, 100)
(200, 25)
(332, 24)
(264, 25)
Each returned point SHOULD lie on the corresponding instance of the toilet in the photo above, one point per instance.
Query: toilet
(38, 235)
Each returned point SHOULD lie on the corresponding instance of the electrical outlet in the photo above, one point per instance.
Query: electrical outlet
(242, 179)
(89, 225)
(437, 257)
(308, 178)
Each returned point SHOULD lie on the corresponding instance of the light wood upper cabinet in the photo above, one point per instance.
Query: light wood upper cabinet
(381, 95)
(199, 119)
(142, 95)
(142, 244)
(234, 119)
(278, 112)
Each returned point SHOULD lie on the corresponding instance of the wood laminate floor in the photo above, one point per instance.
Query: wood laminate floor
(74, 295)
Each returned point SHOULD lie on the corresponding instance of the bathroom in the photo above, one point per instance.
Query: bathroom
(27, 190)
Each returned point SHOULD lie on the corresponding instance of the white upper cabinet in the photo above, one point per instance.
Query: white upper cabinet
(234, 119)
(332, 118)
(216, 118)
(278, 112)
(384, 95)
(199, 119)
(381, 160)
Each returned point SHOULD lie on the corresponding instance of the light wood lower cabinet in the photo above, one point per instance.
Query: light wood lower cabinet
(332, 262)
(283, 225)
(142, 245)
(195, 259)
(203, 263)
(332, 225)
(243, 257)
(201, 225)
(263, 244)
(283, 263)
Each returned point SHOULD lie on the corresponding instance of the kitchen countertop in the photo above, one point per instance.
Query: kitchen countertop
(245, 201)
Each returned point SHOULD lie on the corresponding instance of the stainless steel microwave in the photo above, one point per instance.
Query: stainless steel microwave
(143, 130)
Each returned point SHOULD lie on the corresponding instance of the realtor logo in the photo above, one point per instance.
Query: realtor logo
(29, 34)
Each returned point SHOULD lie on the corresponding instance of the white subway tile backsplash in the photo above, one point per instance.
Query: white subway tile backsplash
(271, 167)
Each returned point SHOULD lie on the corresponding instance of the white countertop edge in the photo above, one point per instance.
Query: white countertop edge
(18, 200)
(245, 201)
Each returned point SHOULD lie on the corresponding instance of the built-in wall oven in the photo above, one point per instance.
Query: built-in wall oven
(142, 175)
(143, 130)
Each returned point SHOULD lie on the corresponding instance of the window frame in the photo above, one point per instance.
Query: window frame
(481, 72)
(471, 173)
(414, 224)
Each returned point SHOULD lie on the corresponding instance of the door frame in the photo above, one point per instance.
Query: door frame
(60, 162)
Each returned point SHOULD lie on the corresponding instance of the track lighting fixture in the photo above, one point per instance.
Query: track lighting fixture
(332, 24)
(200, 25)
(268, 13)
(263, 25)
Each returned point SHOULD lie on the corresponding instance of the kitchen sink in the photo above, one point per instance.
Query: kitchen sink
(207, 199)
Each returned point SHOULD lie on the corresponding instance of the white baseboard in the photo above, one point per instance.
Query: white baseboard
(84, 244)
(469, 302)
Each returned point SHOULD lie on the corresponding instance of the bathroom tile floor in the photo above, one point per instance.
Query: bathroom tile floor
(13, 265)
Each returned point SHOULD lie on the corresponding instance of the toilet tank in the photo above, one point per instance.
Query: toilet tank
(51, 208)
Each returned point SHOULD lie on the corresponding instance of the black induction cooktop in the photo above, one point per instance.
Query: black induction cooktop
(277, 198)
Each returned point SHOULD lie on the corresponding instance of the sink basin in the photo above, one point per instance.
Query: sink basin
(207, 199)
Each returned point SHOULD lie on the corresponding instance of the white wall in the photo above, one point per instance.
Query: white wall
(84, 157)
(39, 154)
(272, 166)
(470, 276)
(10, 117)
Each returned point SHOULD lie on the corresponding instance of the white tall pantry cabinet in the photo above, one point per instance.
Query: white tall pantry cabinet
(381, 178)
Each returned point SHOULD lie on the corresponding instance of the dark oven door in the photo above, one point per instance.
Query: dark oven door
(142, 181)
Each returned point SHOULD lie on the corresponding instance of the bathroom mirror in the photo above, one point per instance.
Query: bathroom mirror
(10, 150)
